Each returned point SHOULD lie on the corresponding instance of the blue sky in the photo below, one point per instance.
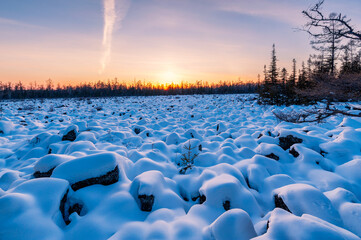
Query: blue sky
(157, 39)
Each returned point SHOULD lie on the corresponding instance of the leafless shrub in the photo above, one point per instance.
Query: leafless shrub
(291, 116)
(341, 89)
(313, 115)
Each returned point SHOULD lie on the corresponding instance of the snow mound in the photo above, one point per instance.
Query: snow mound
(99, 168)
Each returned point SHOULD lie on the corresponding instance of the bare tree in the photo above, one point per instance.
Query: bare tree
(318, 20)
(327, 33)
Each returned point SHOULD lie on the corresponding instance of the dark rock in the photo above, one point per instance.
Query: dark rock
(195, 198)
(202, 199)
(227, 205)
(67, 207)
(77, 207)
(39, 174)
(107, 179)
(323, 153)
(146, 202)
(62, 207)
(200, 147)
(70, 136)
(294, 153)
(273, 156)
(280, 203)
(287, 142)
(137, 130)
(247, 181)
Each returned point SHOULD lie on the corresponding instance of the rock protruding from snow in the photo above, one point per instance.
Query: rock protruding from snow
(288, 141)
(99, 168)
(146, 202)
(305, 199)
(44, 166)
(279, 203)
(68, 206)
(284, 225)
(152, 191)
(228, 188)
(70, 133)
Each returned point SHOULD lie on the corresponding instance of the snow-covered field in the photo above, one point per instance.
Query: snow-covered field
(110, 168)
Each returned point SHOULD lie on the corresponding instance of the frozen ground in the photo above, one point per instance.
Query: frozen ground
(109, 168)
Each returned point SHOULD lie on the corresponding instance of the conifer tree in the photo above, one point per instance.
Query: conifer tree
(284, 76)
(273, 71)
(292, 80)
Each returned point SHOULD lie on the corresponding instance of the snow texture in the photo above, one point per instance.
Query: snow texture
(113, 168)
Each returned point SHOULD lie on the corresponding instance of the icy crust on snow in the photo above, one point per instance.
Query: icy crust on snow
(110, 169)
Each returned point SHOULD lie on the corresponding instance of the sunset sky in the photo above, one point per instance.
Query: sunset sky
(161, 41)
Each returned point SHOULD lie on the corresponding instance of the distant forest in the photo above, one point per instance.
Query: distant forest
(113, 88)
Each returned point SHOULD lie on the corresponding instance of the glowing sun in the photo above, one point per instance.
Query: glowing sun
(169, 77)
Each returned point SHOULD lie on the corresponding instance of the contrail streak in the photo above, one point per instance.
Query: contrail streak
(111, 17)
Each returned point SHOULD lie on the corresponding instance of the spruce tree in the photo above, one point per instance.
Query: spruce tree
(273, 71)
(284, 75)
(292, 80)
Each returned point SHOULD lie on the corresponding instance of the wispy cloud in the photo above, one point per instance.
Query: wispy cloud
(287, 11)
(11, 22)
(113, 16)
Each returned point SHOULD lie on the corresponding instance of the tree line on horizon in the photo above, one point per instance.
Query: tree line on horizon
(336, 42)
(114, 88)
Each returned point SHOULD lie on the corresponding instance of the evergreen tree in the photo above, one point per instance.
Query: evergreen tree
(265, 73)
(292, 80)
(284, 76)
(346, 63)
(302, 77)
(273, 71)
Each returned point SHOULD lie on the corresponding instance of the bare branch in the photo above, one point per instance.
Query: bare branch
(312, 115)
(318, 20)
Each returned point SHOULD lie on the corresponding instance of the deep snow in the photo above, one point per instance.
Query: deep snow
(109, 168)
